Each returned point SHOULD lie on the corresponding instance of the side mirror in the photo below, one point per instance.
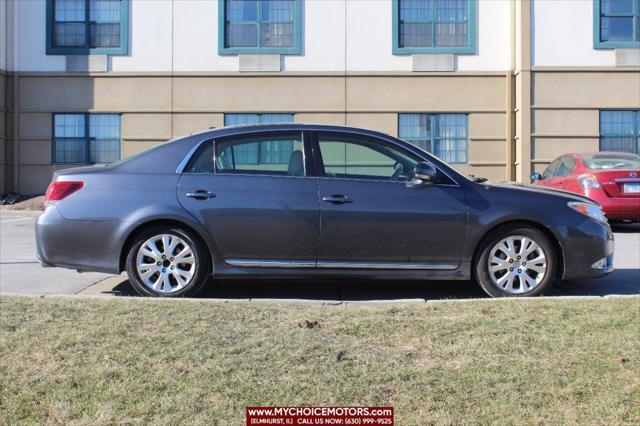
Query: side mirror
(425, 172)
(536, 176)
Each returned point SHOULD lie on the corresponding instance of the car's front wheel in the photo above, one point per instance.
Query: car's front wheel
(516, 261)
(167, 262)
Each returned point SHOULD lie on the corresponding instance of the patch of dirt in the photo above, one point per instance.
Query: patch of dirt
(26, 203)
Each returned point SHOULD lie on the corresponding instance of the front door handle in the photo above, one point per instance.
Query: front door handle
(201, 194)
(337, 199)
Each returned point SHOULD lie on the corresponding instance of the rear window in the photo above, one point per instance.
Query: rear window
(620, 161)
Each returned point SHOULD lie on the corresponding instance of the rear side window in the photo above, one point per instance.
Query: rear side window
(265, 155)
(203, 161)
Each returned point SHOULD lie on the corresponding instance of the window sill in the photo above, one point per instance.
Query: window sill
(83, 51)
(235, 51)
(616, 45)
(434, 50)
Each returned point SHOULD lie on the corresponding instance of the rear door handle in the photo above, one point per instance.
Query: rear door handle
(201, 194)
(337, 199)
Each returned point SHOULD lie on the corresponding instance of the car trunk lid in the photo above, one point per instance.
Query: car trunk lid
(619, 183)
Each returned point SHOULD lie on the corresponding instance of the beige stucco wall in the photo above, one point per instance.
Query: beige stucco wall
(566, 108)
(155, 109)
(554, 111)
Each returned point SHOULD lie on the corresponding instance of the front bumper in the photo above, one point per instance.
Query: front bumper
(587, 250)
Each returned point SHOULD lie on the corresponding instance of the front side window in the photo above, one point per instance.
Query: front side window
(566, 166)
(259, 26)
(620, 131)
(617, 23)
(268, 155)
(86, 138)
(444, 135)
(87, 26)
(433, 26)
(344, 157)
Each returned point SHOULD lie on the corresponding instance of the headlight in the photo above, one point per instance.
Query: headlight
(593, 211)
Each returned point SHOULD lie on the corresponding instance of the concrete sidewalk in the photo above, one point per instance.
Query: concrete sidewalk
(21, 273)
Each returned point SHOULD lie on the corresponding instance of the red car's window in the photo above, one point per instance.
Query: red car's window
(618, 161)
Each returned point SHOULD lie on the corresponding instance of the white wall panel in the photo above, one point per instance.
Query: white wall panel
(30, 18)
(149, 37)
(563, 35)
(195, 38)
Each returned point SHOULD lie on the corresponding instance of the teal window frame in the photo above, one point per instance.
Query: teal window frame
(433, 135)
(597, 17)
(87, 137)
(52, 49)
(470, 49)
(636, 129)
(296, 49)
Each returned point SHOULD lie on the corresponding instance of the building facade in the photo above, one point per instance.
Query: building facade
(496, 87)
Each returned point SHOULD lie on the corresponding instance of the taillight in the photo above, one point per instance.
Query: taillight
(589, 182)
(62, 189)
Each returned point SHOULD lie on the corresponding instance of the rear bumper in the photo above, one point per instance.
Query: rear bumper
(622, 209)
(587, 250)
(616, 208)
(84, 245)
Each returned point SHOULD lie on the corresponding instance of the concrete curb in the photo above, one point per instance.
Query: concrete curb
(23, 213)
(324, 303)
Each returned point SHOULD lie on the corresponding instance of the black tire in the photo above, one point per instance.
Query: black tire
(200, 253)
(481, 265)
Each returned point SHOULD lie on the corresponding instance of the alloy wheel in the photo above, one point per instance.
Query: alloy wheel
(165, 263)
(517, 264)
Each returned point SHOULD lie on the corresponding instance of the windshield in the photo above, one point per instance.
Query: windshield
(617, 161)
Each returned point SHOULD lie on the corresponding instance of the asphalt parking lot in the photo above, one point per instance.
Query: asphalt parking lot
(21, 273)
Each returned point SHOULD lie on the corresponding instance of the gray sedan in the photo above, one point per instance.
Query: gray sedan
(309, 201)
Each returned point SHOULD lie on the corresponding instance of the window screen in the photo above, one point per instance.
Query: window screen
(444, 135)
(433, 23)
(620, 131)
(86, 138)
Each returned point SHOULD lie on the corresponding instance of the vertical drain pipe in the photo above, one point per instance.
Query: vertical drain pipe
(15, 95)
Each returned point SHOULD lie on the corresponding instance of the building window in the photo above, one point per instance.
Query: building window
(86, 138)
(434, 26)
(444, 135)
(84, 27)
(276, 152)
(616, 23)
(620, 131)
(266, 26)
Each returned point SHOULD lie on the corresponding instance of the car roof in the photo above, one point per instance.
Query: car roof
(603, 153)
(257, 128)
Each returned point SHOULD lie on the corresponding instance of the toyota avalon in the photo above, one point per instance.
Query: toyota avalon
(313, 201)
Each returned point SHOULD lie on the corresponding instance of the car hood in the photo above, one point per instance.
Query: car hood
(569, 196)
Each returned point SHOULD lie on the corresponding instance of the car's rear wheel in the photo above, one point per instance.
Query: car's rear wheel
(516, 261)
(167, 262)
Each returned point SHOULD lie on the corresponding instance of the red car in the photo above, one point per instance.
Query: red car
(610, 178)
